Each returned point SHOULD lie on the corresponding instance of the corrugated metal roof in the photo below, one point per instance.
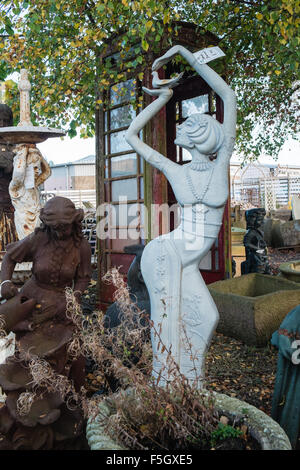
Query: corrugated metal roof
(89, 160)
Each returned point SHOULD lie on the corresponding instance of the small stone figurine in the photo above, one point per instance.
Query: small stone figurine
(255, 245)
(30, 171)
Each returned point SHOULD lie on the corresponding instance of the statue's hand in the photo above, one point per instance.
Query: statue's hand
(165, 82)
(158, 91)
(8, 290)
(166, 57)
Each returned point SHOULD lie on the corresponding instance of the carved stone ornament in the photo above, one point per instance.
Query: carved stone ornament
(181, 305)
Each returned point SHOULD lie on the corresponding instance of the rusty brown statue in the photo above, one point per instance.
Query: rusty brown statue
(61, 258)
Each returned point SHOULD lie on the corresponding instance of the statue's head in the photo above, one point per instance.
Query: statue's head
(202, 132)
(255, 217)
(61, 219)
(6, 116)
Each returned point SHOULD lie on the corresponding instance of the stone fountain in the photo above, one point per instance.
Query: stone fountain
(25, 132)
(30, 169)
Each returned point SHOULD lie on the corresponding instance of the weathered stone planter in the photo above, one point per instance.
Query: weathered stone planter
(291, 270)
(264, 429)
(252, 306)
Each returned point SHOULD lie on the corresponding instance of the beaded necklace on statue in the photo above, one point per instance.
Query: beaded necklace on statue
(198, 166)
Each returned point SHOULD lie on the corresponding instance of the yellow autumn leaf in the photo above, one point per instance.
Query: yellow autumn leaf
(259, 16)
(149, 24)
(277, 72)
(145, 45)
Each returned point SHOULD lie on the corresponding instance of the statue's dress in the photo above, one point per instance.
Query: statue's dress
(286, 398)
(56, 265)
(181, 305)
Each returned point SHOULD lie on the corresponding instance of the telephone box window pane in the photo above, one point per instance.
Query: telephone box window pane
(217, 260)
(125, 214)
(142, 188)
(123, 165)
(106, 191)
(105, 121)
(186, 156)
(118, 142)
(195, 105)
(122, 92)
(106, 169)
(206, 262)
(121, 117)
(123, 188)
(182, 155)
(125, 237)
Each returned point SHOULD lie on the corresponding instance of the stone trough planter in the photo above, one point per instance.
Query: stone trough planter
(252, 306)
(262, 428)
(290, 270)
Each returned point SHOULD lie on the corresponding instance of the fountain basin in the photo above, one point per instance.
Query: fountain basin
(28, 134)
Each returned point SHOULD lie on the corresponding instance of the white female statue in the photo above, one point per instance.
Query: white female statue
(30, 172)
(181, 305)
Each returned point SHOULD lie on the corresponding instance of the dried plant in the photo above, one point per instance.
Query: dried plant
(2, 327)
(148, 416)
(144, 414)
(25, 402)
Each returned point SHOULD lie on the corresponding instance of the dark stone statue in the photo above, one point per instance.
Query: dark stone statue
(61, 258)
(8, 232)
(286, 397)
(256, 248)
(137, 289)
(140, 310)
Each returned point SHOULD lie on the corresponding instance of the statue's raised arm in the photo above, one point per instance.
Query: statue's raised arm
(212, 79)
(164, 93)
(180, 300)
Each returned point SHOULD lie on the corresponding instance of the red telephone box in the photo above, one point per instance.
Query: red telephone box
(131, 187)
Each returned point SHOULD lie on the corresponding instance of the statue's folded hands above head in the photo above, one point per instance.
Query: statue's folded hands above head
(180, 300)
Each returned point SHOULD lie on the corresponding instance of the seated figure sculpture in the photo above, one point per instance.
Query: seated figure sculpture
(61, 258)
(180, 300)
(255, 245)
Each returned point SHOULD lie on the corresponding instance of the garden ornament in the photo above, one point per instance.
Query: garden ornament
(181, 305)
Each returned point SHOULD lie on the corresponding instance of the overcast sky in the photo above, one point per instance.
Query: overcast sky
(66, 150)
